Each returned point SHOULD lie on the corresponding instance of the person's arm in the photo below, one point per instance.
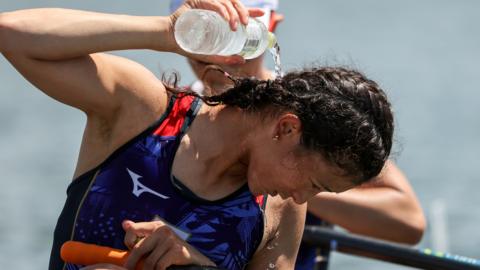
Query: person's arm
(59, 54)
(284, 228)
(58, 34)
(385, 208)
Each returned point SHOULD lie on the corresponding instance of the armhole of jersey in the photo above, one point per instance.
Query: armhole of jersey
(144, 133)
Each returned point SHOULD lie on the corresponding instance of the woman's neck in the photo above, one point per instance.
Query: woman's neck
(216, 147)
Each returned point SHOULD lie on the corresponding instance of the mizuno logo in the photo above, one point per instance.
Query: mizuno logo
(139, 188)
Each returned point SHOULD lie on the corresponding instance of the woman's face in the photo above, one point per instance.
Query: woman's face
(293, 172)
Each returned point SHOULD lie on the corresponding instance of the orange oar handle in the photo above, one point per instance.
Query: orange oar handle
(88, 254)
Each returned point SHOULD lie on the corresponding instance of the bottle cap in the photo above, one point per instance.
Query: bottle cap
(272, 39)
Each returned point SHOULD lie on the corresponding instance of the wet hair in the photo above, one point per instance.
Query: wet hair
(345, 116)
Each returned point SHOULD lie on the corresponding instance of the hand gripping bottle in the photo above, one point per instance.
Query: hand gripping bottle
(201, 31)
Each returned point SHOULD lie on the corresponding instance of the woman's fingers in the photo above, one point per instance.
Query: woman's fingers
(233, 14)
(136, 231)
(136, 253)
(131, 237)
(176, 255)
(214, 5)
(255, 12)
(159, 241)
(232, 11)
(159, 246)
(156, 259)
(241, 11)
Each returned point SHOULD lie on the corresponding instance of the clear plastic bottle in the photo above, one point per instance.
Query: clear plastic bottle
(206, 32)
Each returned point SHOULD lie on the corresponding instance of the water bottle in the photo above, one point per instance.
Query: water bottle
(201, 31)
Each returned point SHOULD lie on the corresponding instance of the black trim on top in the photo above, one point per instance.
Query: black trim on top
(115, 153)
(66, 219)
(186, 192)
(264, 202)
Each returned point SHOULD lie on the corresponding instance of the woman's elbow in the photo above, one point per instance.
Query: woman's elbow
(7, 26)
(414, 229)
(13, 26)
(3, 27)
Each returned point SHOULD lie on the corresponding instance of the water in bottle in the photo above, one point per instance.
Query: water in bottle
(206, 32)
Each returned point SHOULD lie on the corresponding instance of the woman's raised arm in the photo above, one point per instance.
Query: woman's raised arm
(58, 34)
(57, 51)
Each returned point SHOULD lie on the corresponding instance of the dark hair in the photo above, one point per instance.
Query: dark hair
(345, 116)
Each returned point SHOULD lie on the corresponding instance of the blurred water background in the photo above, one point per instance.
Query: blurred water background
(425, 53)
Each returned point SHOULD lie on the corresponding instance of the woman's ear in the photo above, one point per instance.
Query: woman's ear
(288, 126)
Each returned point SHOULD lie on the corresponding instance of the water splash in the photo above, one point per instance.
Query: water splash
(275, 51)
(273, 243)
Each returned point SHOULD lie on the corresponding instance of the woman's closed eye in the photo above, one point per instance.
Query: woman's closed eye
(320, 187)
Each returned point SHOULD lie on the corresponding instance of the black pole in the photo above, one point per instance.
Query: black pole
(387, 251)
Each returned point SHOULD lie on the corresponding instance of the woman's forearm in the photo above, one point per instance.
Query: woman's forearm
(54, 34)
(385, 208)
(380, 213)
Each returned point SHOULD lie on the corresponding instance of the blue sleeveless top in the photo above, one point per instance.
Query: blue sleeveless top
(136, 183)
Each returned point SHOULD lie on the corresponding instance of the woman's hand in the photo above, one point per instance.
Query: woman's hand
(159, 246)
(232, 11)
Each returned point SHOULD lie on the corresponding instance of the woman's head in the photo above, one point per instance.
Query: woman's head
(344, 116)
(342, 122)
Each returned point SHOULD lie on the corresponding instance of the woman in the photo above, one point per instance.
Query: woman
(152, 153)
(385, 208)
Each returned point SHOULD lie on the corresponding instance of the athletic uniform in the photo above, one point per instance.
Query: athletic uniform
(136, 183)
